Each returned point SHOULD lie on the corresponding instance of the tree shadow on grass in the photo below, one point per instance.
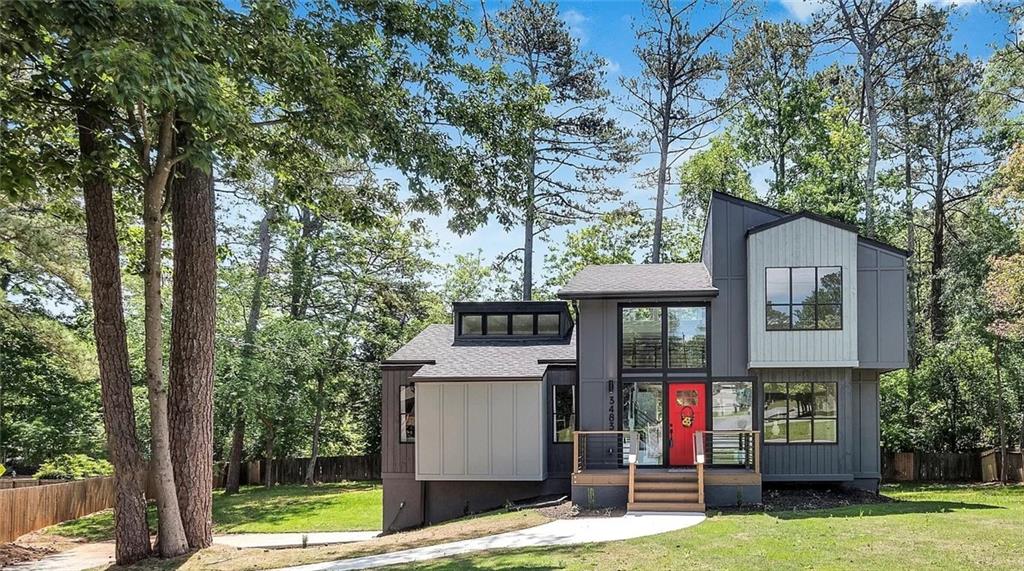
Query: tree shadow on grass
(281, 504)
(876, 510)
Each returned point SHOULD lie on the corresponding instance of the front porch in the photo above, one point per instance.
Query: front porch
(726, 470)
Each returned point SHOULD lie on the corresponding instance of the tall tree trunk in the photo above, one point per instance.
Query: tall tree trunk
(268, 452)
(869, 180)
(528, 223)
(131, 533)
(248, 341)
(911, 285)
(171, 533)
(935, 309)
(317, 421)
(191, 360)
(1001, 411)
(659, 210)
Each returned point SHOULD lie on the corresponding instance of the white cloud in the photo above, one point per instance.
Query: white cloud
(946, 3)
(612, 67)
(802, 10)
(573, 17)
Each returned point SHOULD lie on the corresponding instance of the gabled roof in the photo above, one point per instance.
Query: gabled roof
(785, 217)
(640, 281)
(443, 358)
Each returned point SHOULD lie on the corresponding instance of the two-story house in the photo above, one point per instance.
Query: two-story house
(678, 386)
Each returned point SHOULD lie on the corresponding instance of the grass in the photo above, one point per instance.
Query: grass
(937, 527)
(346, 506)
(222, 558)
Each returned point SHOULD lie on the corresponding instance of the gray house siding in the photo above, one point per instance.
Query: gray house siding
(559, 454)
(881, 308)
(403, 495)
(726, 258)
(867, 461)
(597, 336)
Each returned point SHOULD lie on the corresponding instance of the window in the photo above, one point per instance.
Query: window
(472, 325)
(563, 410)
(800, 413)
(497, 324)
(686, 338)
(642, 412)
(664, 337)
(407, 414)
(548, 324)
(804, 298)
(522, 324)
(731, 405)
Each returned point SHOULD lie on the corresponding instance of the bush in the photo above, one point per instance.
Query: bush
(73, 467)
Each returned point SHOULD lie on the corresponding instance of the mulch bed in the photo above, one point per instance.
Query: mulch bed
(12, 553)
(817, 498)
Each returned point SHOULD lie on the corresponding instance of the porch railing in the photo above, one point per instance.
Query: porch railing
(729, 449)
(603, 449)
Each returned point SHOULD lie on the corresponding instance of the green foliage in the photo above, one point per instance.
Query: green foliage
(73, 467)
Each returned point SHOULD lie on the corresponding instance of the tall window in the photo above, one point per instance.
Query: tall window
(664, 337)
(407, 413)
(804, 298)
(800, 413)
(642, 412)
(563, 410)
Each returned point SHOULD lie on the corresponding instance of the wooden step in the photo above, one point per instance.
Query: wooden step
(665, 507)
(684, 497)
(651, 476)
(665, 486)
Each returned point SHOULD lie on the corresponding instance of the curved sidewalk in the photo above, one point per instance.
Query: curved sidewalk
(558, 532)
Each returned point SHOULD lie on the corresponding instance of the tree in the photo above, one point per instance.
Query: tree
(722, 166)
(776, 96)
(675, 96)
(871, 27)
(574, 143)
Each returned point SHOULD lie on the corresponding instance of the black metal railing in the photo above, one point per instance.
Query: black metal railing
(732, 449)
(603, 449)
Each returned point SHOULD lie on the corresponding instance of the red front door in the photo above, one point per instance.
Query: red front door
(685, 417)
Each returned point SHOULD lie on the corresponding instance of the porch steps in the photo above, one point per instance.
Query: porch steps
(662, 491)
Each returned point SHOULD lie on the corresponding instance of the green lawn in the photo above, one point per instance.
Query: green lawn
(937, 527)
(347, 506)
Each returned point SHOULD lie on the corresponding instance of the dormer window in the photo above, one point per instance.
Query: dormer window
(513, 320)
(804, 298)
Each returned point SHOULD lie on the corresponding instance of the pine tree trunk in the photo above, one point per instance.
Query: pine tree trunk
(869, 181)
(935, 309)
(317, 421)
(248, 340)
(1001, 411)
(171, 533)
(659, 211)
(191, 360)
(131, 533)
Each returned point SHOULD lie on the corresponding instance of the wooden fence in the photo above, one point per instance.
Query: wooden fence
(26, 509)
(931, 466)
(328, 469)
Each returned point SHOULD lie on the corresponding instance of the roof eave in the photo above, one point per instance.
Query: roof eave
(712, 292)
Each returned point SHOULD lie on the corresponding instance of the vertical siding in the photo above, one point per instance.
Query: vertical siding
(396, 458)
(802, 242)
(559, 454)
(882, 308)
(597, 333)
(867, 462)
(812, 461)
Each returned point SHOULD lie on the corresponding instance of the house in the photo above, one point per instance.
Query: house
(675, 387)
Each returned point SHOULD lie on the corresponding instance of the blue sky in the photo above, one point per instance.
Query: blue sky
(604, 27)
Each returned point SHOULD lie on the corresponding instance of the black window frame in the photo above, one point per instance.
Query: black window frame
(554, 412)
(509, 316)
(664, 367)
(403, 438)
(817, 279)
(814, 416)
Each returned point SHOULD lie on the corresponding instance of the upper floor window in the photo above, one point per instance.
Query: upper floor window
(804, 298)
(664, 337)
(514, 324)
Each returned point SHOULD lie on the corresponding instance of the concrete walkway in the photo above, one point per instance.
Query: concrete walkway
(91, 555)
(558, 532)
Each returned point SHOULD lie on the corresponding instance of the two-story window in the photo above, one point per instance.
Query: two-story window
(804, 298)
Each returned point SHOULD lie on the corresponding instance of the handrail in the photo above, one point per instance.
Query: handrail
(580, 446)
(698, 459)
(755, 443)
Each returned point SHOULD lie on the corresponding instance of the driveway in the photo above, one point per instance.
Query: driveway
(558, 532)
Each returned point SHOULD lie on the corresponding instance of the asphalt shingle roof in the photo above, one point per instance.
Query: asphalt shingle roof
(639, 280)
(480, 359)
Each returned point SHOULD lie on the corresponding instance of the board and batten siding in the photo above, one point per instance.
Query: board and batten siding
(480, 430)
(396, 457)
(812, 462)
(799, 243)
(881, 308)
(866, 446)
(597, 335)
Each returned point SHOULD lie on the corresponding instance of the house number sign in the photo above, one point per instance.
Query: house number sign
(611, 404)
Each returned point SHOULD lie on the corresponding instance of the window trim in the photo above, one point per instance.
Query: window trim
(812, 418)
(509, 334)
(402, 390)
(790, 305)
(664, 368)
(554, 412)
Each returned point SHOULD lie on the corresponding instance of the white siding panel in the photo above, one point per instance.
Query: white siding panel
(428, 429)
(801, 242)
(480, 430)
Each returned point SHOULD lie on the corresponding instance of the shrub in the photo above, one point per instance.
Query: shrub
(73, 467)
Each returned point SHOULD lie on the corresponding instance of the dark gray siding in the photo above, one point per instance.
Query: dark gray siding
(727, 253)
(881, 308)
(403, 495)
(866, 456)
(559, 454)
